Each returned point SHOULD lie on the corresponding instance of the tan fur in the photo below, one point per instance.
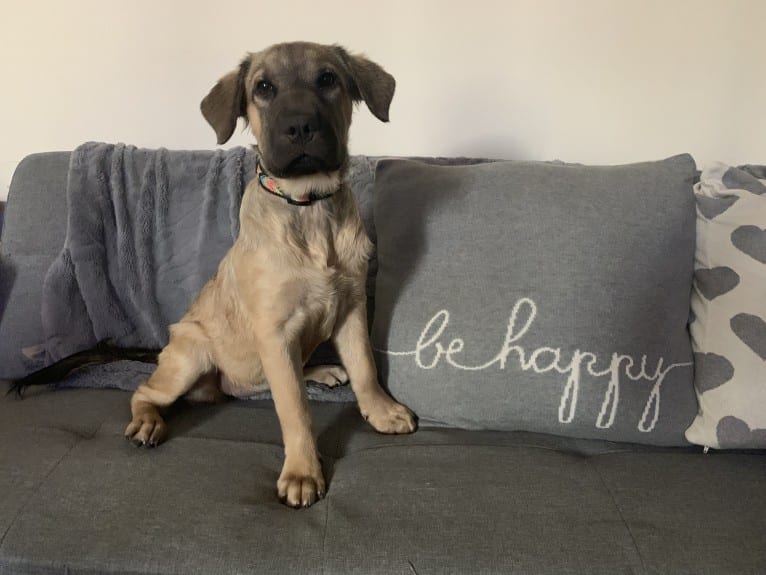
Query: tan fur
(294, 278)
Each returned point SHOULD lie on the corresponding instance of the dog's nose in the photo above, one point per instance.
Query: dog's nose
(300, 129)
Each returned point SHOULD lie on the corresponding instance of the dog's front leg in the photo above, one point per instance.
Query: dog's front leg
(301, 482)
(377, 407)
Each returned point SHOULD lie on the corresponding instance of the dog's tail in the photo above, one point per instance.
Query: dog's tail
(102, 353)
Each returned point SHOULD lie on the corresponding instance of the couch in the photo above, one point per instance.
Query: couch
(75, 497)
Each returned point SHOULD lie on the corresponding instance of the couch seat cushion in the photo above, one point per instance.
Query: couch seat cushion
(80, 499)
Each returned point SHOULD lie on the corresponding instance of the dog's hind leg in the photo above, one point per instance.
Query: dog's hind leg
(181, 364)
(207, 389)
(329, 375)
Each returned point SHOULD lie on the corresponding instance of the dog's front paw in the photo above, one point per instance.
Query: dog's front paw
(301, 485)
(388, 416)
(147, 427)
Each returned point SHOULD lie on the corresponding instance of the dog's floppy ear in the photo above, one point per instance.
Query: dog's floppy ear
(226, 102)
(369, 82)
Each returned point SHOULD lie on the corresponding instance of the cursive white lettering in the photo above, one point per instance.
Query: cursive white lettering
(429, 352)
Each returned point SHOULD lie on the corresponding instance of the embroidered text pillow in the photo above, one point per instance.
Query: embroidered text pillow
(544, 297)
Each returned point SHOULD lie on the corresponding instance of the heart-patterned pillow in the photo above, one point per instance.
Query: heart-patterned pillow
(728, 328)
(750, 240)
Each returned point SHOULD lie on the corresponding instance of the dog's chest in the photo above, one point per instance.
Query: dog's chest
(325, 288)
(311, 284)
(299, 270)
(321, 302)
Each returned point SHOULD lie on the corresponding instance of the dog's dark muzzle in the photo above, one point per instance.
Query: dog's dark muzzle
(303, 144)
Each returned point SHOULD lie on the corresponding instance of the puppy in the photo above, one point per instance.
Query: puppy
(295, 277)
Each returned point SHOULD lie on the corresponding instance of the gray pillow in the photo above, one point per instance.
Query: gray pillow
(545, 297)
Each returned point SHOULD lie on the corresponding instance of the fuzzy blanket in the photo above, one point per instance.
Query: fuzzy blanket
(145, 230)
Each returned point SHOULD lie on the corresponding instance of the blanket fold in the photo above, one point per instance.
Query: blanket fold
(146, 229)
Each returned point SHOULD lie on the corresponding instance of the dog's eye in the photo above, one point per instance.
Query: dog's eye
(264, 89)
(327, 80)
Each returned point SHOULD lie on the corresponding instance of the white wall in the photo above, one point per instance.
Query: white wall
(600, 81)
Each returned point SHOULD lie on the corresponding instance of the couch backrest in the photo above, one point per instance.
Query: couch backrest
(34, 232)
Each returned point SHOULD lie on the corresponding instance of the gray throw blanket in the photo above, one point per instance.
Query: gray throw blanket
(146, 230)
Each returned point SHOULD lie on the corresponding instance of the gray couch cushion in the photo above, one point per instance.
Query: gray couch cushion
(26, 459)
(474, 509)
(194, 506)
(79, 499)
(691, 513)
(539, 296)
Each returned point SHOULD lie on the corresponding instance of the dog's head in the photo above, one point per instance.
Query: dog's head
(298, 99)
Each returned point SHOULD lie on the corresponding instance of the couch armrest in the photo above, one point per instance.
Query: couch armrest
(33, 233)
